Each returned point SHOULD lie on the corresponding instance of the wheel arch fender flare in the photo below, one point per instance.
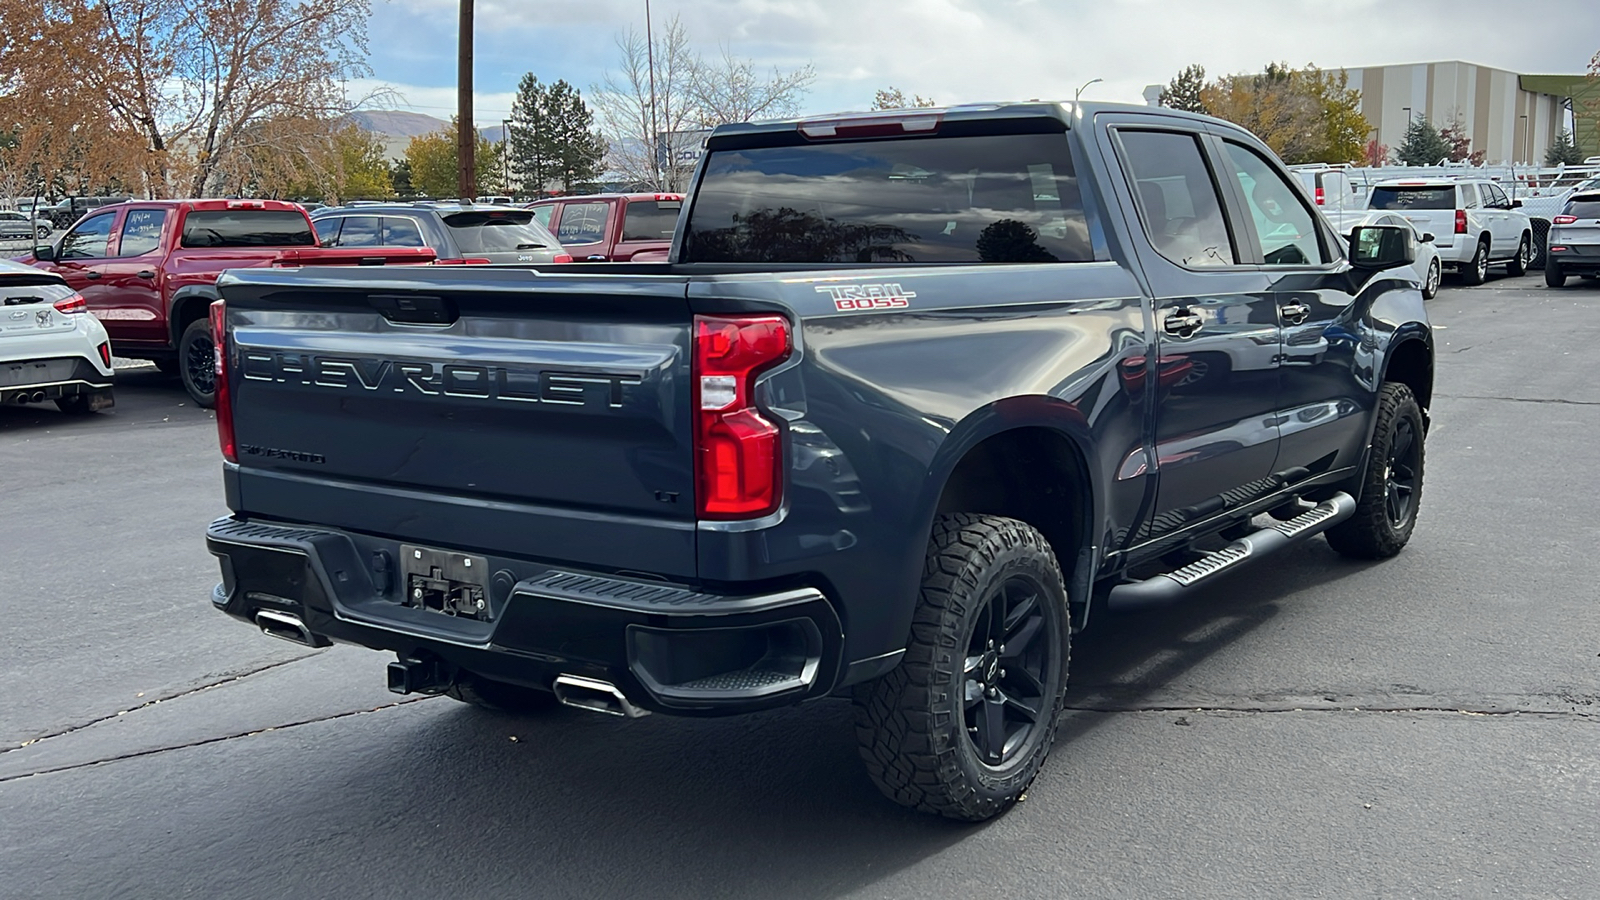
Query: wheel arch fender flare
(180, 312)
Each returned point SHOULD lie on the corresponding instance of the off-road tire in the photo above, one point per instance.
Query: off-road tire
(910, 724)
(1475, 271)
(1553, 276)
(499, 695)
(202, 389)
(1371, 532)
(1518, 266)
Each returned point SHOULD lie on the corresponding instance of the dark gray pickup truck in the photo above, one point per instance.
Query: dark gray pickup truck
(918, 392)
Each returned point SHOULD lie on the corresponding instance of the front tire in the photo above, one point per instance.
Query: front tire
(197, 363)
(1430, 284)
(1476, 272)
(1391, 489)
(1553, 276)
(1519, 266)
(962, 726)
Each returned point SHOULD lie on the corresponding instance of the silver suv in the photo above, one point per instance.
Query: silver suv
(1574, 240)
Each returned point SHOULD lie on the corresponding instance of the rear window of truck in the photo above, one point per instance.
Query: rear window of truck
(247, 228)
(1011, 198)
(1413, 198)
(650, 220)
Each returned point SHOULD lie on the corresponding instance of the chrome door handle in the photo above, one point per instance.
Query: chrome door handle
(1182, 323)
(1295, 313)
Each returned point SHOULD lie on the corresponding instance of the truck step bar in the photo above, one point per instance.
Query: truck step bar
(1170, 587)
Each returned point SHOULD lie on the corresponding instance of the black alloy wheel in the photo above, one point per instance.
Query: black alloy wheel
(1401, 474)
(197, 362)
(1009, 660)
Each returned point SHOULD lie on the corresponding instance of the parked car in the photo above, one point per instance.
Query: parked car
(457, 233)
(876, 429)
(72, 209)
(50, 350)
(613, 227)
(1427, 267)
(148, 270)
(1474, 223)
(1574, 247)
(19, 226)
(1334, 188)
(496, 201)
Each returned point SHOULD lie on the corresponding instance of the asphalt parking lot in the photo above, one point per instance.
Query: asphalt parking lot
(1429, 726)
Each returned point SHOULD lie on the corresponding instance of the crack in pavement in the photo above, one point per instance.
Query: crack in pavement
(152, 702)
(1519, 399)
(214, 740)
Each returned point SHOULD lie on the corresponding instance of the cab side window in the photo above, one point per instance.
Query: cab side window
(89, 239)
(141, 231)
(1284, 224)
(1177, 197)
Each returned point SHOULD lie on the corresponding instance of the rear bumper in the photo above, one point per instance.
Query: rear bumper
(1576, 258)
(37, 380)
(669, 648)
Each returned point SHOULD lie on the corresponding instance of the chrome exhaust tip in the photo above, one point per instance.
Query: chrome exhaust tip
(595, 696)
(288, 627)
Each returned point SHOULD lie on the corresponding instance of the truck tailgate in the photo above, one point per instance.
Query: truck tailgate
(496, 409)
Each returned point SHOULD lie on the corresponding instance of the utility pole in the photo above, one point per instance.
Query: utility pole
(655, 134)
(466, 132)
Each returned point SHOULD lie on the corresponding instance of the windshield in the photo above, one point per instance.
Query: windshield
(1413, 197)
(950, 199)
(248, 228)
(497, 231)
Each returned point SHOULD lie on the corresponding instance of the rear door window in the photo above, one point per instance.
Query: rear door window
(141, 231)
(1286, 228)
(583, 223)
(966, 199)
(1407, 197)
(1178, 200)
(1497, 197)
(650, 220)
(361, 231)
(1469, 196)
(400, 232)
(328, 229)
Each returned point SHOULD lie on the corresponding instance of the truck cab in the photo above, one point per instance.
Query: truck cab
(612, 227)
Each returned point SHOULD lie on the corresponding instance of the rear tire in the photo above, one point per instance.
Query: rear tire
(499, 695)
(1553, 276)
(1430, 284)
(1391, 489)
(1476, 271)
(949, 731)
(197, 363)
(1519, 266)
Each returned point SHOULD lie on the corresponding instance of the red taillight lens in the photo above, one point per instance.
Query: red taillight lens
(562, 257)
(1461, 221)
(1321, 197)
(738, 453)
(72, 305)
(105, 353)
(1559, 220)
(219, 334)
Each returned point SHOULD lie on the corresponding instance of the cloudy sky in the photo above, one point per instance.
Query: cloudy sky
(970, 50)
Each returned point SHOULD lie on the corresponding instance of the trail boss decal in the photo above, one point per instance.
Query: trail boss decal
(857, 297)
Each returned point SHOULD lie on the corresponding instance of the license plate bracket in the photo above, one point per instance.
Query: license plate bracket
(445, 582)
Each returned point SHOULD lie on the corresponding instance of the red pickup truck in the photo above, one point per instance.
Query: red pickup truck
(148, 268)
(612, 227)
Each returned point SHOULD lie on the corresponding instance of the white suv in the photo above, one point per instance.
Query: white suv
(1473, 222)
(50, 347)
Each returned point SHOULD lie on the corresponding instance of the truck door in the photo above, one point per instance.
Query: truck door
(131, 278)
(1322, 405)
(1216, 321)
(79, 259)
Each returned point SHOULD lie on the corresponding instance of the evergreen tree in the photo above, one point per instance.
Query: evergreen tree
(400, 178)
(1183, 92)
(1564, 152)
(1423, 144)
(552, 137)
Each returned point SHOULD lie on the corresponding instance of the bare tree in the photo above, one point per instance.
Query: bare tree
(894, 98)
(654, 135)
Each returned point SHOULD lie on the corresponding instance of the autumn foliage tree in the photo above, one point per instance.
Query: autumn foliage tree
(1305, 115)
(432, 161)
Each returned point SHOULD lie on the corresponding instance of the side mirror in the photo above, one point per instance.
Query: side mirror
(44, 253)
(1377, 247)
(1427, 237)
(1516, 204)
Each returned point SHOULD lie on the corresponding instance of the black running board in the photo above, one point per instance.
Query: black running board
(1169, 587)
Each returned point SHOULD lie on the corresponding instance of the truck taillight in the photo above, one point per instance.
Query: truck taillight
(1461, 221)
(738, 452)
(219, 335)
(1558, 220)
(1322, 198)
(72, 305)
